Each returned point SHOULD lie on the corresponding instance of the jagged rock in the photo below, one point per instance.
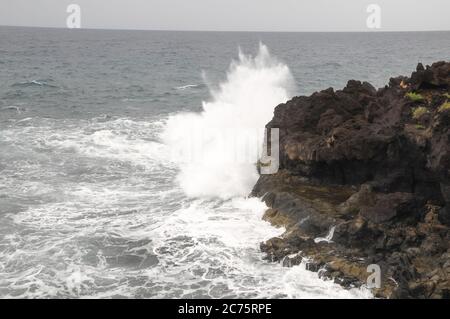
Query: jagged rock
(388, 206)
(356, 164)
(430, 77)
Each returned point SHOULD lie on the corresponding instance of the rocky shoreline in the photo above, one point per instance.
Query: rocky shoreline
(365, 179)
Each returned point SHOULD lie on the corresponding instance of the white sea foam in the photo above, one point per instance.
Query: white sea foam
(231, 123)
(122, 231)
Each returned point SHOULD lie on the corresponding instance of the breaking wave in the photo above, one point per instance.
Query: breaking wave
(208, 145)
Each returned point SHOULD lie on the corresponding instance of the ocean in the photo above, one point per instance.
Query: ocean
(96, 197)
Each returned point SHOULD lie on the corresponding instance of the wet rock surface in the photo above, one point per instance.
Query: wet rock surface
(365, 179)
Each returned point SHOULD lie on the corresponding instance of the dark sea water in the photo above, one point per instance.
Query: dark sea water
(92, 202)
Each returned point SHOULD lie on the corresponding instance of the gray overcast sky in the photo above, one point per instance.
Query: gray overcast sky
(232, 15)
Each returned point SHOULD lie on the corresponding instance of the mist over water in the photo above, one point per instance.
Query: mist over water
(94, 201)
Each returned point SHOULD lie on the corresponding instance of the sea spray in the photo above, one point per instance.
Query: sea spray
(217, 149)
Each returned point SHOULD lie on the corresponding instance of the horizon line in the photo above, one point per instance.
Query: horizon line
(218, 31)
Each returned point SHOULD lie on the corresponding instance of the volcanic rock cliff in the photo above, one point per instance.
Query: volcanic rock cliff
(365, 179)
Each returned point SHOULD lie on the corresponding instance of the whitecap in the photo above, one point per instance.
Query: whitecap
(188, 86)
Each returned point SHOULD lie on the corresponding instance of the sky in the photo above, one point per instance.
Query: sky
(231, 15)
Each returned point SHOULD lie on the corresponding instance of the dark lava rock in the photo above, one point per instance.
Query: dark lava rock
(368, 170)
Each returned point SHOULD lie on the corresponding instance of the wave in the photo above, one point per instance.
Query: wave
(188, 86)
(333, 64)
(14, 108)
(208, 146)
(34, 83)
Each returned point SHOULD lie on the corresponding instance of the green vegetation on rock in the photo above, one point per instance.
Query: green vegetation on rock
(417, 112)
(420, 127)
(415, 97)
(444, 107)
